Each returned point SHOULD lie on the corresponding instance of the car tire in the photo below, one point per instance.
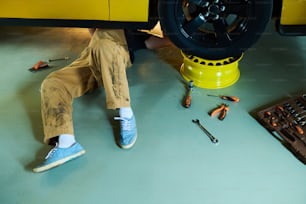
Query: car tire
(214, 29)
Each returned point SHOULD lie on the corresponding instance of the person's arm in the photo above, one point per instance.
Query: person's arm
(91, 31)
(154, 42)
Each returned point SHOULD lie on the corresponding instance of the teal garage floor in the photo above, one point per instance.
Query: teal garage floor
(173, 162)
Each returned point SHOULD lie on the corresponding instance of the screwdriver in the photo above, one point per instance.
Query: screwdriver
(188, 95)
(58, 59)
(298, 128)
(228, 98)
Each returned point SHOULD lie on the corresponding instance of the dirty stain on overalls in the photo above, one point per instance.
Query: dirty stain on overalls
(102, 64)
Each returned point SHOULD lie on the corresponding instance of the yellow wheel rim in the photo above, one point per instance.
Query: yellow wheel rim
(210, 74)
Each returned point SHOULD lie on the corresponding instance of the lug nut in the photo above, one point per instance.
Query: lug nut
(206, 4)
(216, 17)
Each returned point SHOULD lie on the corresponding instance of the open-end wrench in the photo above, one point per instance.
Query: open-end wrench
(211, 137)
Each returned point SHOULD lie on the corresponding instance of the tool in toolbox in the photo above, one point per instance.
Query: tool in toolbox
(40, 65)
(211, 137)
(187, 101)
(286, 120)
(227, 98)
(221, 110)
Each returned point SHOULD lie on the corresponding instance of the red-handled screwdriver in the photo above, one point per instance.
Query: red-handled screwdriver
(228, 98)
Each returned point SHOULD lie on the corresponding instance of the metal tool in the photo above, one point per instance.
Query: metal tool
(211, 137)
(281, 110)
(302, 123)
(188, 97)
(222, 110)
(58, 59)
(297, 127)
(39, 66)
(228, 98)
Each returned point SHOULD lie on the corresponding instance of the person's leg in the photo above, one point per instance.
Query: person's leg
(57, 93)
(111, 60)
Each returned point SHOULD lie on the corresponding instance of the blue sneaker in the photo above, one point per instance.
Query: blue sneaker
(128, 132)
(58, 156)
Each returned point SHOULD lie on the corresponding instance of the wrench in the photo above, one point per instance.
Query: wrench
(211, 137)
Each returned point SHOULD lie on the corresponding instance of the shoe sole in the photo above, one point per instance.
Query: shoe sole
(129, 145)
(59, 162)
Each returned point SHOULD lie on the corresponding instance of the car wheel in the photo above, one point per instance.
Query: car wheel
(214, 29)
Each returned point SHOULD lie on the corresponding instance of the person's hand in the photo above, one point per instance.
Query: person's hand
(154, 42)
(91, 31)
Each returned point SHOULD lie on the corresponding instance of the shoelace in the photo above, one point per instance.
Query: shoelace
(52, 151)
(125, 124)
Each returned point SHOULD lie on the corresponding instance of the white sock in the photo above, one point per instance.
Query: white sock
(65, 140)
(126, 112)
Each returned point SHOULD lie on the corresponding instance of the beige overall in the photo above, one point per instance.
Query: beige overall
(102, 63)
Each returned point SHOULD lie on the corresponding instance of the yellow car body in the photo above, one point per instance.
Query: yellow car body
(293, 12)
(211, 29)
(114, 10)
